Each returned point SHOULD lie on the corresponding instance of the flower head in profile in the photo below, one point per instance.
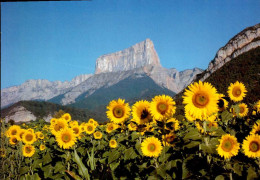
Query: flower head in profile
(237, 91)
(118, 111)
(201, 100)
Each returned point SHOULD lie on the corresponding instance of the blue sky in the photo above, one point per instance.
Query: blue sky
(60, 40)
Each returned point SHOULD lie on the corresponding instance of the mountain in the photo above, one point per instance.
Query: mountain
(39, 89)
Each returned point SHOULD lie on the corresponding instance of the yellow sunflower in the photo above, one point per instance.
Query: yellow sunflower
(257, 106)
(162, 107)
(168, 139)
(66, 138)
(251, 146)
(201, 100)
(58, 126)
(243, 110)
(92, 121)
(28, 150)
(256, 128)
(98, 135)
(13, 140)
(118, 111)
(76, 130)
(21, 132)
(2, 152)
(173, 123)
(73, 123)
(132, 126)
(189, 117)
(228, 146)
(39, 135)
(89, 128)
(66, 116)
(13, 130)
(113, 143)
(140, 112)
(42, 147)
(53, 120)
(29, 137)
(151, 147)
(30, 130)
(237, 91)
(222, 103)
(111, 127)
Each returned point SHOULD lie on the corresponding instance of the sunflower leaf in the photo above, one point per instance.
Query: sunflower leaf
(83, 171)
(47, 159)
(130, 154)
(114, 155)
(226, 116)
(193, 134)
(220, 177)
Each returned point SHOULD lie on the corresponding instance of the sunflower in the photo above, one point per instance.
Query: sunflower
(251, 146)
(257, 106)
(21, 132)
(189, 117)
(73, 123)
(132, 126)
(29, 137)
(168, 139)
(162, 107)
(173, 124)
(89, 128)
(66, 138)
(113, 143)
(30, 130)
(28, 150)
(118, 111)
(140, 112)
(39, 135)
(256, 128)
(237, 91)
(151, 147)
(76, 130)
(53, 120)
(42, 147)
(98, 135)
(243, 110)
(228, 146)
(58, 126)
(2, 152)
(199, 126)
(111, 127)
(14, 140)
(222, 103)
(201, 100)
(66, 116)
(92, 121)
(13, 130)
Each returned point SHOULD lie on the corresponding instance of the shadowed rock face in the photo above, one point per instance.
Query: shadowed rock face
(138, 55)
(243, 42)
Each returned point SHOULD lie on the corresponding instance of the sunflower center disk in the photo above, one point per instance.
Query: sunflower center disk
(118, 112)
(76, 130)
(227, 146)
(66, 138)
(236, 92)
(221, 103)
(254, 146)
(15, 140)
(162, 108)
(151, 147)
(90, 128)
(200, 100)
(27, 149)
(14, 132)
(113, 143)
(29, 137)
(58, 127)
(144, 114)
(241, 110)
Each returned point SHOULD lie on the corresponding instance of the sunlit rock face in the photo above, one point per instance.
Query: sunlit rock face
(244, 41)
(138, 55)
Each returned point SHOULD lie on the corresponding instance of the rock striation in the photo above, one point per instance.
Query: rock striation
(244, 41)
(138, 55)
(39, 89)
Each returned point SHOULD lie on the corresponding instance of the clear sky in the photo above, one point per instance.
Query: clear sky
(60, 40)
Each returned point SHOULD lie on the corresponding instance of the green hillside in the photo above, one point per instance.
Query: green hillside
(244, 68)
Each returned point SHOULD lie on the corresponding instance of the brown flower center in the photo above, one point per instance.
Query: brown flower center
(58, 127)
(227, 146)
(236, 91)
(162, 108)
(29, 137)
(200, 100)
(90, 128)
(28, 149)
(118, 112)
(241, 110)
(66, 137)
(14, 132)
(254, 146)
(151, 147)
(76, 130)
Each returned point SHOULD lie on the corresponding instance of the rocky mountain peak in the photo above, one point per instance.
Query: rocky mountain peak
(136, 56)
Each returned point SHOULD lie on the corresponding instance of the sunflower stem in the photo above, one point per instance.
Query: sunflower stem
(230, 176)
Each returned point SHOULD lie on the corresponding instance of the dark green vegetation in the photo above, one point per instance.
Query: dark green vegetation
(42, 109)
(244, 68)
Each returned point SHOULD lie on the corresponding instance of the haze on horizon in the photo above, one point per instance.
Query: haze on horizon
(60, 40)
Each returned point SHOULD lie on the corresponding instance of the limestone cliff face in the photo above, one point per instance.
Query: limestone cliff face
(244, 41)
(136, 56)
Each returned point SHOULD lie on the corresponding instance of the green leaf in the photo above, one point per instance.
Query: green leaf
(138, 147)
(238, 169)
(114, 155)
(226, 116)
(47, 159)
(47, 171)
(59, 167)
(135, 136)
(24, 170)
(161, 171)
(251, 174)
(83, 171)
(220, 177)
(192, 144)
(130, 154)
(193, 134)
(236, 108)
(74, 175)
(114, 165)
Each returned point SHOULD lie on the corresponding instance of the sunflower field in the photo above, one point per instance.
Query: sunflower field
(218, 137)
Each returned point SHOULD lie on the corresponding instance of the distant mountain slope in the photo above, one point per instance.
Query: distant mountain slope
(244, 68)
(32, 110)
